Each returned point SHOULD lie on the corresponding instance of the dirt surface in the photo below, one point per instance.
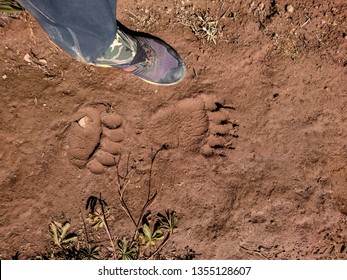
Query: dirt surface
(256, 134)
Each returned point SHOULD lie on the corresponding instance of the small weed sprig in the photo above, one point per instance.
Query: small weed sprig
(202, 23)
(67, 246)
(98, 216)
(147, 240)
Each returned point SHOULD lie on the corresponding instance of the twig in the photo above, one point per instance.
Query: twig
(122, 187)
(306, 22)
(107, 227)
(150, 199)
(85, 228)
(123, 203)
(161, 246)
(252, 252)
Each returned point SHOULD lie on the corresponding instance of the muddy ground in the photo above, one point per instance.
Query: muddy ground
(256, 134)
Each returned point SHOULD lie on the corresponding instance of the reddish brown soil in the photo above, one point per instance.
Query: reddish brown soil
(263, 177)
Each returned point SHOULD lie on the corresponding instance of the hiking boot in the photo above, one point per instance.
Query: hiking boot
(150, 59)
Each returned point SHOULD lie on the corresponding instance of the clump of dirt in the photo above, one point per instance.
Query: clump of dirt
(255, 165)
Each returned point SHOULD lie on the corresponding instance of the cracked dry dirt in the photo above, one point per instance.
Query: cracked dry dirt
(256, 134)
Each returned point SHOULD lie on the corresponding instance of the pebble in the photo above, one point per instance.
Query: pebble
(27, 58)
(289, 9)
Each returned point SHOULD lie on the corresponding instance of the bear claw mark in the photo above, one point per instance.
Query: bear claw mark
(95, 139)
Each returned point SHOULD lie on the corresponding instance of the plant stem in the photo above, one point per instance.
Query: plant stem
(107, 227)
(161, 246)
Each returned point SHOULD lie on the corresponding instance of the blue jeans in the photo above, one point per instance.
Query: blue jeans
(83, 28)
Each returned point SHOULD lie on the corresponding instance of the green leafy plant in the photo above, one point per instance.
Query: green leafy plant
(96, 218)
(61, 235)
(168, 221)
(125, 252)
(148, 237)
(67, 245)
(10, 7)
(90, 252)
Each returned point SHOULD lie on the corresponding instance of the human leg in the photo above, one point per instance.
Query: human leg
(83, 28)
(87, 30)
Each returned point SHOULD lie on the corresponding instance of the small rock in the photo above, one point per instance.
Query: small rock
(4, 77)
(85, 121)
(43, 61)
(289, 9)
(27, 58)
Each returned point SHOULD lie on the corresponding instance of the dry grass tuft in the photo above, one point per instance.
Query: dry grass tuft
(202, 23)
